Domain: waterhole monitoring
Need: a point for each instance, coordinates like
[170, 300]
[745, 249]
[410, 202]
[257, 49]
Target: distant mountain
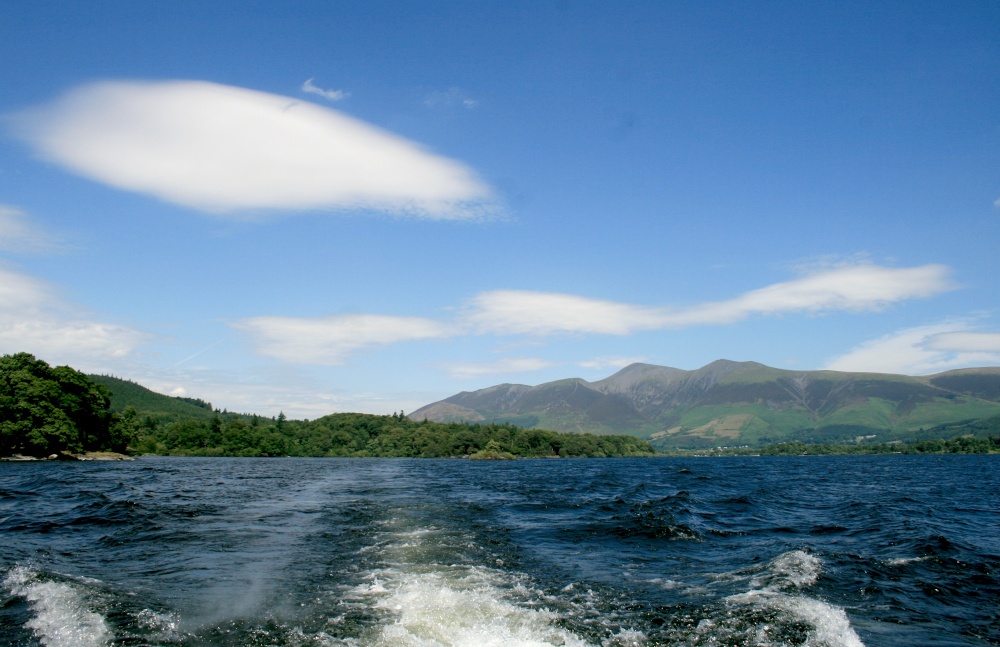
[736, 403]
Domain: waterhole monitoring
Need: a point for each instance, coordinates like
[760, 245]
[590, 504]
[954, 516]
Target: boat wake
[415, 597]
[62, 612]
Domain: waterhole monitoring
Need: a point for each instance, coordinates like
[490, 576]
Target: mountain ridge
[727, 402]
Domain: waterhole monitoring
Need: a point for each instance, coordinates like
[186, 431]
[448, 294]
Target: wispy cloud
[470, 370]
[218, 148]
[329, 340]
[333, 95]
[24, 295]
[450, 98]
[34, 319]
[615, 362]
[851, 288]
[19, 236]
[965, 342]
[922, 350]
[855, 288]
[522, 312]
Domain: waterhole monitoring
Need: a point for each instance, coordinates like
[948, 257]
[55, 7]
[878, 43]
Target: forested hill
[159, 407]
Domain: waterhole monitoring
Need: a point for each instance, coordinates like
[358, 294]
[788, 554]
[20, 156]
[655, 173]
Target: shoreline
[67, 456]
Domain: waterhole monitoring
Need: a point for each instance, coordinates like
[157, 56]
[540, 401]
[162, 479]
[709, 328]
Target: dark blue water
[883, 550]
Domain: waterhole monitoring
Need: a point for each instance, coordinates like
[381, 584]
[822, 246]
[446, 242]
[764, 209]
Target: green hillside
[738, 403]
[161, 408]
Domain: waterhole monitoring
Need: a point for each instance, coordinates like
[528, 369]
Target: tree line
[366, 435]
[958, 445]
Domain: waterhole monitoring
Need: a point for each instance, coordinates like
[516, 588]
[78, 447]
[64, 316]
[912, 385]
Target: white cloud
[22, 295]
[220, 149]
[965, 342]
[521, 312]
[33, 319]
[328, 340]
[333, 95]
[468, 370]
[922, 350]
[87, 340]
[850, 288]
[19, 235]
[854, 288]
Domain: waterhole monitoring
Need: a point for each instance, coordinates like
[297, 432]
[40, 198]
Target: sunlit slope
[736, 403]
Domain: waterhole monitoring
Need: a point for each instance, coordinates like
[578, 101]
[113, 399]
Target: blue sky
[331, 206]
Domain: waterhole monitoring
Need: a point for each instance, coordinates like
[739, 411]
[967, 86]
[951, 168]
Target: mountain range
[730, 403]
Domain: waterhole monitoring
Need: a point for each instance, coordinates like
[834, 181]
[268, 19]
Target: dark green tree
[45, 410]
[125, 429]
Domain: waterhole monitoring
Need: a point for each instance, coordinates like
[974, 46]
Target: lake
[820, 551]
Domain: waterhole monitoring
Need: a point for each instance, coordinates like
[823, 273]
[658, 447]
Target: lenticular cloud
[219, 148]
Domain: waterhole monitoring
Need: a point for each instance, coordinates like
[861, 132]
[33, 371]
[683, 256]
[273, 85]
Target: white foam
[428, 600]
[61, 618]
[165, 626]
[831, 627]
[437, 609]
[902, 561]
[794, 569]
[626, 638]
[829, 624]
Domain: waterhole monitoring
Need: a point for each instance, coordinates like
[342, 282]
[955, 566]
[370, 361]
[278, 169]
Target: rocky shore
[67, 456]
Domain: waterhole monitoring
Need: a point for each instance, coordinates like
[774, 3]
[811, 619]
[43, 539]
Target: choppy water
[883, 550]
